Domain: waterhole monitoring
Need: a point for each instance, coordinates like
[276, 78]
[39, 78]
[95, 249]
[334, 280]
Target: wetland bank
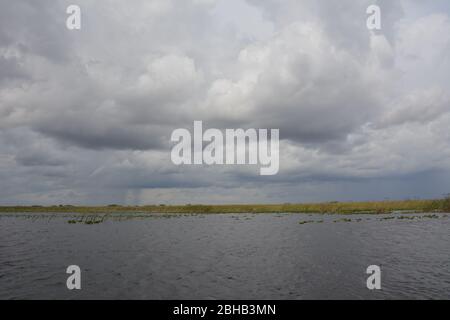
[189, 254]
[335, 207]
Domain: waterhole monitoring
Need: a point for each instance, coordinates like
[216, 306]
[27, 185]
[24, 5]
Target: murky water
[219, 256]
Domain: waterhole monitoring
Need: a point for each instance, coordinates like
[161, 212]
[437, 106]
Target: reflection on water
[220, 256]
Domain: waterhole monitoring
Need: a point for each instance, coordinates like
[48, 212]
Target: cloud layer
[86, 115]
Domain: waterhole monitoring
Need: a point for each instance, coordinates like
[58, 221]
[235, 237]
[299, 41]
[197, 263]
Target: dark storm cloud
[34, 27]
[100, 134]
[37, 159]
[11, 70]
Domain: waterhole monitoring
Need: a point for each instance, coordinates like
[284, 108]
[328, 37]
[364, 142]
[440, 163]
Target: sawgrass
[371, 207]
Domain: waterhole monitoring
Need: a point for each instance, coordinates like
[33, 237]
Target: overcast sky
[86, 115]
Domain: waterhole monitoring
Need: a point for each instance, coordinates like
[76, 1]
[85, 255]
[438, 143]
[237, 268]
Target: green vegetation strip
[380, 207]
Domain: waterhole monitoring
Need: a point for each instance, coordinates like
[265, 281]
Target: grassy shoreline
[372, 207]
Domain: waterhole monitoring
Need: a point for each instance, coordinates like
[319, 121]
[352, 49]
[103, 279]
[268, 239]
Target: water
[220, 256]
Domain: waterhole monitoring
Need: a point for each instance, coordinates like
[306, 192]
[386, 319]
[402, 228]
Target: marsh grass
[380, 207]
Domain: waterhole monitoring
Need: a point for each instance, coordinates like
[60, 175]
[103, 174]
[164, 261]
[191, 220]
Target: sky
[86, 115]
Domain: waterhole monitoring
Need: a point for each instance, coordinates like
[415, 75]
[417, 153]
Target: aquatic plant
[307, 221]
[406, 217]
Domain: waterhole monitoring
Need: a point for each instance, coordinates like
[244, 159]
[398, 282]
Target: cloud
[86, 116]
